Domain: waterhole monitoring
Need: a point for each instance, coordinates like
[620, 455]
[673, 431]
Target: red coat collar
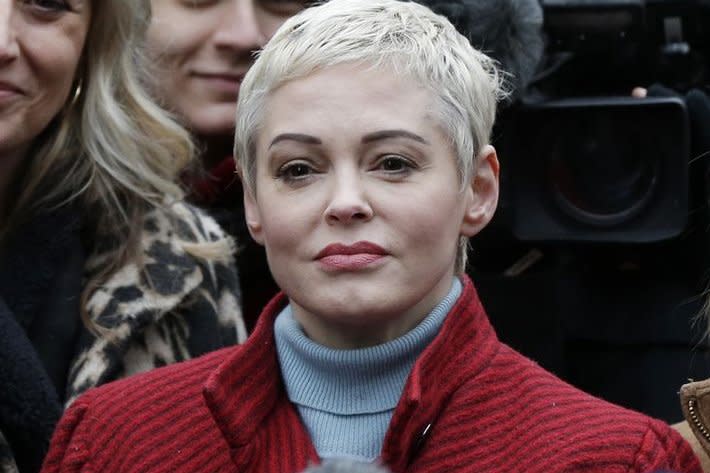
[247, 387]
[464, 347]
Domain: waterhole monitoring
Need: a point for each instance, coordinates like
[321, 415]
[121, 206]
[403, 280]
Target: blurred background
[597, 262]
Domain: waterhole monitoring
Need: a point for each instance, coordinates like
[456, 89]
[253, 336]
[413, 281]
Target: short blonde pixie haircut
[405, 37]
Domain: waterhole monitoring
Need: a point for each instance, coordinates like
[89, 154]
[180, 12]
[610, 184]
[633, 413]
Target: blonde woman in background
[104, 272]
[202, 50]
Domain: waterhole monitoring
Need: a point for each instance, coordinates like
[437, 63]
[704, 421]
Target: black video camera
[586, 162]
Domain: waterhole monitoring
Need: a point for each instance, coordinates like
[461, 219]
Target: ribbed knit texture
[346, 397]
[489, 409]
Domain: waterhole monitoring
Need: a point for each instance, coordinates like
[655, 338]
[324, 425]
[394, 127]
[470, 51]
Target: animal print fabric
[169, 307]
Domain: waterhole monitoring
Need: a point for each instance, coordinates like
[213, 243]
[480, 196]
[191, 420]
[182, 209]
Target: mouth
[222, 82]
[361, 247]
[340, 257]
[231, 76]
[9, 89]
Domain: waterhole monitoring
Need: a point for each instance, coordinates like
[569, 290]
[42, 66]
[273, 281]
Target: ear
[481, 193]
[251, 212]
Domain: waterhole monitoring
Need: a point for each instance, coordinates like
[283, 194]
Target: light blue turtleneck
[346, 397]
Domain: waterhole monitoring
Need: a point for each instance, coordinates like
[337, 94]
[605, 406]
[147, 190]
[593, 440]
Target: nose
[348, 203]
[9, 49]
[239, 29]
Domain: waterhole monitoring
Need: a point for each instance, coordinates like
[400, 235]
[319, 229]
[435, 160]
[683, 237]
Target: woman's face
[40, 46]
[359, 203]
[203, 49]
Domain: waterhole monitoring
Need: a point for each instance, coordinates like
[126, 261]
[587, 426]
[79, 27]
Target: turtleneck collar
[359, 381]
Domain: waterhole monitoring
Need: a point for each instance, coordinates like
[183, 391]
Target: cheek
[270, 24]
[165, 48]
[430, 220]
[56, 69]
[173, 36]
[283, 230]
[278, 221]
[288, 220]
[168, 53]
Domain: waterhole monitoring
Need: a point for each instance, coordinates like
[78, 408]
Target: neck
[214, 149]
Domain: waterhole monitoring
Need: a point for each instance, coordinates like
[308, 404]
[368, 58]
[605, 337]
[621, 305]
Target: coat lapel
[248, 402]
[465, 340]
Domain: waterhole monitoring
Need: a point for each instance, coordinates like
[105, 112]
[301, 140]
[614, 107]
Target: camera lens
[599, 176]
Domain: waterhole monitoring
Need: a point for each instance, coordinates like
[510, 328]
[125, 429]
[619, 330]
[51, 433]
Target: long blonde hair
[111, 148]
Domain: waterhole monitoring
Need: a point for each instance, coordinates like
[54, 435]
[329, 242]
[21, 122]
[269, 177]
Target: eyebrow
[300, 137]
[386, 134]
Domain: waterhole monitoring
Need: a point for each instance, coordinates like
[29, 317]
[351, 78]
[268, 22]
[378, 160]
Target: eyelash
[198, 3]
[298, 171]
[284, 171]
[284, 7]
[407, 165]
[49, 6]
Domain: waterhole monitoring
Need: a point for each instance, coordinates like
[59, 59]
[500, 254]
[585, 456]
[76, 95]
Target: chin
[352, 309]
[213, 121]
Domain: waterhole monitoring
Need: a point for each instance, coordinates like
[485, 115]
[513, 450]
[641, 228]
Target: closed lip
[361, 247]
[228, 76]
[10, 87]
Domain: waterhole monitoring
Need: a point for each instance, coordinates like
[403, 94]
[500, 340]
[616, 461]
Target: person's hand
[639, 92]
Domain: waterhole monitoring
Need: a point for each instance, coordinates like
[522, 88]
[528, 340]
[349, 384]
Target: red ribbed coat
[471, 404]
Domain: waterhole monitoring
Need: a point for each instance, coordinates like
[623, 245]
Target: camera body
[586, 162]
[600, 170]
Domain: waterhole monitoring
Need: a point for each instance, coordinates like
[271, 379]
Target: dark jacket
[169, 307]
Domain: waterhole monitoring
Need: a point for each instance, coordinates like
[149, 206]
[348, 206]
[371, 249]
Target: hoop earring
[77, 93]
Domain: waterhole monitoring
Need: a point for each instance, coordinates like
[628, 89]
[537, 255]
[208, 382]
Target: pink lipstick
[340, 257]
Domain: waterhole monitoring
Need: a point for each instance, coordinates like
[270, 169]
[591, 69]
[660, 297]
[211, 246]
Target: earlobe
[482, 193]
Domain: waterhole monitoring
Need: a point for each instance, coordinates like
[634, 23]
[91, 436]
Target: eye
[284, 7]
[198, 3]
[295, 171]
[395, 165]
[48, 6]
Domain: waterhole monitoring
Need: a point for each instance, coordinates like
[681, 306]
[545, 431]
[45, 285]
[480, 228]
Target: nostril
[335, 214]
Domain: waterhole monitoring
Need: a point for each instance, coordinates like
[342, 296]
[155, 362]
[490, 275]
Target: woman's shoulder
[178, 299]
[557, 417]
[157, 414]
[695, 403]
[178, 228]
[181, 250]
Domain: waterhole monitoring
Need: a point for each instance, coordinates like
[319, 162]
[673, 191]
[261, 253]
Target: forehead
[349, 98]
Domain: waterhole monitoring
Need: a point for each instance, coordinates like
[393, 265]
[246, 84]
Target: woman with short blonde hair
[362, 138]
